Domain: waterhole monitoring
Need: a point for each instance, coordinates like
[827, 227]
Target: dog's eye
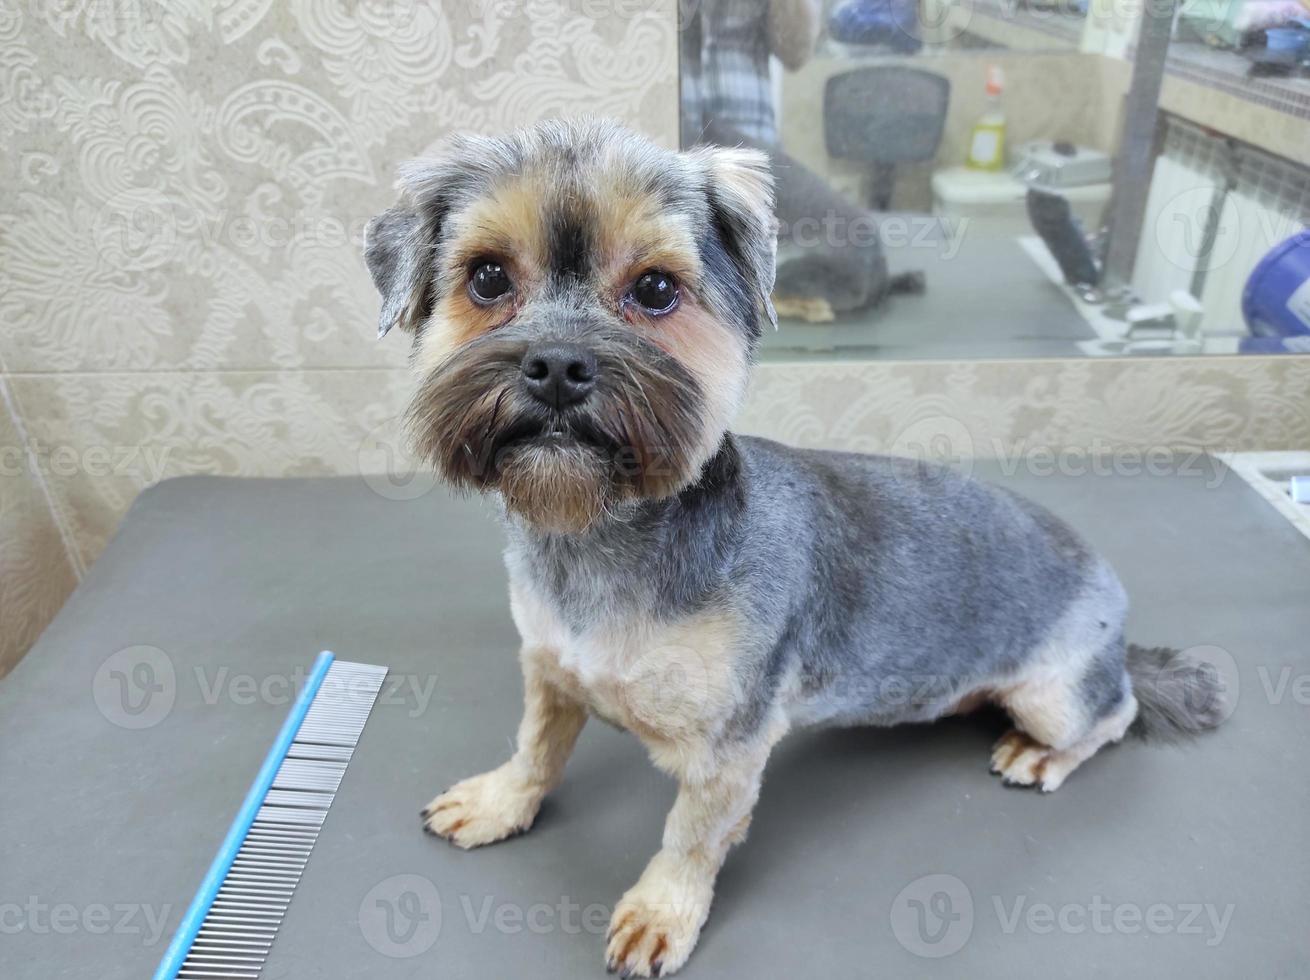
[655, 292]
[489, 282]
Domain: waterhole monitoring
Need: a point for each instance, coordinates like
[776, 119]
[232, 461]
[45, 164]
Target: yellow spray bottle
[987, 140]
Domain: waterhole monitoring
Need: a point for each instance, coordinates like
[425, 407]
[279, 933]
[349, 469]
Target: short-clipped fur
[703, 590]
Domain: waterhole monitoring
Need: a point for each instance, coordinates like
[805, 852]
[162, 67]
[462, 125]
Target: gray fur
[878, 590]
[812, 587]
[883, 589]
[1177, 695]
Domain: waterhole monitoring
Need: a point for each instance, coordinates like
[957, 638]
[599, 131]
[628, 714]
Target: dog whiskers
[495, 412]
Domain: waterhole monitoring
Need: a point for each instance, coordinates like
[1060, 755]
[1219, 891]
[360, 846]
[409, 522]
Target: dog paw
[656, 924]
[809, 309]
[483, 809]
[1021, 760]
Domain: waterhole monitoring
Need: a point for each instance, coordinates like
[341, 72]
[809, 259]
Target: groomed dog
[585, 309]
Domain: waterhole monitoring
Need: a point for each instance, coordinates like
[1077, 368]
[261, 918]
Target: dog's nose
[559, 374]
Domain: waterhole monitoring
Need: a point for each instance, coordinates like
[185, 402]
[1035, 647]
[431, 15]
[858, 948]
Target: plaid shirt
[725, 70]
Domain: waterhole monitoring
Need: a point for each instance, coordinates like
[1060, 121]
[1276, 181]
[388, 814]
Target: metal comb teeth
[238, 930]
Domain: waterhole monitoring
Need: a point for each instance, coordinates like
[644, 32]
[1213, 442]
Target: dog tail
[911, 283]
[1178, 695]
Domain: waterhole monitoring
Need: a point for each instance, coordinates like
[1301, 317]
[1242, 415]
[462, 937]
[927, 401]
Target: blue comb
[230, 925]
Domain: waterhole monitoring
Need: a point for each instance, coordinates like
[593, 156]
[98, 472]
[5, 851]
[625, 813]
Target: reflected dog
[585, 308]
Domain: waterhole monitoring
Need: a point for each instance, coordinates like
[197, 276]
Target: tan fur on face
[633, 235]
[456, 321]
[636, 237]
[713, 354]
[506, 226]
[508, 223]
[563, 489]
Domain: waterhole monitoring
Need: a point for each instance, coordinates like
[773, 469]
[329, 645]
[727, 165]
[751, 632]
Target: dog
[585, 309]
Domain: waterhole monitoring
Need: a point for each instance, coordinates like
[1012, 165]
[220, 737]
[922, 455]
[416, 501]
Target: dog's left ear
[739, 187]
[400, 244]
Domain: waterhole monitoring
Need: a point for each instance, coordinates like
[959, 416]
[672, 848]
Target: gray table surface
[874, 853]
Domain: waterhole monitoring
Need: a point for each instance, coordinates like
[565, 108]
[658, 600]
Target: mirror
[1020, 178]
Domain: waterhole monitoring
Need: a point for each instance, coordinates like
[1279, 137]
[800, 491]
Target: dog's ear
[400, 245]
[739, 188]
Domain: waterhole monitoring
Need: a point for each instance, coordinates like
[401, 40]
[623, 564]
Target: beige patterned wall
[181, 289]
[998, 409]
[182, 190]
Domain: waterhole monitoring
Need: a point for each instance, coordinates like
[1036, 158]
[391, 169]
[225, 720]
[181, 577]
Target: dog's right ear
[400, 245]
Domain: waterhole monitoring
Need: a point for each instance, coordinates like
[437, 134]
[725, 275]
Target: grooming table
[241, 582]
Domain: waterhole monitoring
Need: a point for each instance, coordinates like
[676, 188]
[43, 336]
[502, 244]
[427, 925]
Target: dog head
[585, 307]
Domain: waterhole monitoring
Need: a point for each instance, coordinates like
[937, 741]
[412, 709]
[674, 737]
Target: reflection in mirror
[1020, 178]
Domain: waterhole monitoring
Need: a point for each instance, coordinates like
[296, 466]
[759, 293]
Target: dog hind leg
[1062, 718]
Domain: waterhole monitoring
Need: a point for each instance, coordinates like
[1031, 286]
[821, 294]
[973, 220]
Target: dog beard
[639, 435]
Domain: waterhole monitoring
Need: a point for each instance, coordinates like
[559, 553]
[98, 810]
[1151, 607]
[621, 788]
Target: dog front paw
[656, 924]
[483, 809]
